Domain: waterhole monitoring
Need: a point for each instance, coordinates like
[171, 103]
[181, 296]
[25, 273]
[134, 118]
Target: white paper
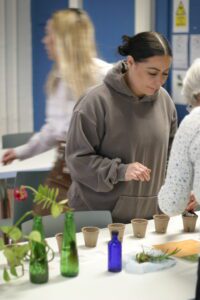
[180, 51]
[177, 84]
[180, 15]
[194, 47]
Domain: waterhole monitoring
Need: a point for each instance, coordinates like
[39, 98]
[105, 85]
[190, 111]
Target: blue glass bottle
[114, 253]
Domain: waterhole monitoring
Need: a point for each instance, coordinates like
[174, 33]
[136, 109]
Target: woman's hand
[192, 203]
[137, 171]
[9, 156]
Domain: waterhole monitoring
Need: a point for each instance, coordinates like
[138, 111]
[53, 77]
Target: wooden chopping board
[187, 247]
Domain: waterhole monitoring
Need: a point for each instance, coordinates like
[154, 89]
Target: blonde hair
[191, 83]
[75, 49]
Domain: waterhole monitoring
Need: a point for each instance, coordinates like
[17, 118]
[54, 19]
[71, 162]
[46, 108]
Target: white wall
[75, 3]
[16, 107]
[144, 15]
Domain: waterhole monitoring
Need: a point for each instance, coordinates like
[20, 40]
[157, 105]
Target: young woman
[121, 132]
[183, 173]
[70, 44]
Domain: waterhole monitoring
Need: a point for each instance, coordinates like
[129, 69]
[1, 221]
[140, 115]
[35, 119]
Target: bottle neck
[37, 225]
[69, 216]
[69, 231]
[114, 235]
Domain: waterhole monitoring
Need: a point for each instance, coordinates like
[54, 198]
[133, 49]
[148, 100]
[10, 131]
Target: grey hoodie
[111, 128]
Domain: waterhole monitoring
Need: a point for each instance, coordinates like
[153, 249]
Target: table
[95, 283]
[41, 162]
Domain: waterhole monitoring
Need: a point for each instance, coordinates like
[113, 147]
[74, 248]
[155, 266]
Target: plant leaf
[10, 253]
[35, 236]
[5, 229]
[15, 234]
[192, 258]
[22, 250]
[56, 210]
[13, 271]
[1, 244]
[147, 256]
[63, 201]
[12, 231]
[6, 276]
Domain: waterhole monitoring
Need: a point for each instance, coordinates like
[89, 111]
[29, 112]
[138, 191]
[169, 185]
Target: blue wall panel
[194, 17]
[181, 112]
[112, 19]
[163, 17]
[40, 12]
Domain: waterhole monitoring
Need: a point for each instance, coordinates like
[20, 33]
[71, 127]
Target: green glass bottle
[69, 266]
[38, 268]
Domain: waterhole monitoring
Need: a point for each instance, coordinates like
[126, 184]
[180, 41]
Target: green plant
[191, 258]
[46, 196]
[147, 256]
[16, 253]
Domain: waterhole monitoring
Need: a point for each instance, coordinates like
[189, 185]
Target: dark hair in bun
[144, 45]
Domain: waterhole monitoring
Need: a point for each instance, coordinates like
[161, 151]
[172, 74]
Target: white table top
[95, 283]
[41, 162]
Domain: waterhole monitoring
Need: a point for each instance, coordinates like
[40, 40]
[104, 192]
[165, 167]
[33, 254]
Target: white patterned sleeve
[195, 158]
[174, 194]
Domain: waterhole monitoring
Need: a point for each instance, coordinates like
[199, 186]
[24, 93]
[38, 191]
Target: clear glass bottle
[197, 293]
[38, 268]
[114, 253]
[69, 265]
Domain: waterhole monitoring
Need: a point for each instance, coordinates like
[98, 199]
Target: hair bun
[124, 49]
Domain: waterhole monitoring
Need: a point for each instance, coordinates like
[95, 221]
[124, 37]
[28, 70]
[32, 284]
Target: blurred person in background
[70, 43]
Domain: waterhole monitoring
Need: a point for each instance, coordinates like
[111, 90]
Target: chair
[100, 218]
[15, 139]
[31, 178]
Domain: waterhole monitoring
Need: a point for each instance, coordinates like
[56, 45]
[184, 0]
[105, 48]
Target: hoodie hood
[115, 79]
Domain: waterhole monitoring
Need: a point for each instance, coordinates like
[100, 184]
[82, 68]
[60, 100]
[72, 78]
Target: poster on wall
[180, 51]
[177, 84]
[194, 47]
[180, 15]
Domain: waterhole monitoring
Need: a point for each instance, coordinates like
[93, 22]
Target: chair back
[82, 218]
[31, 178]
[15, 139]
[51, 225]
[98, 218]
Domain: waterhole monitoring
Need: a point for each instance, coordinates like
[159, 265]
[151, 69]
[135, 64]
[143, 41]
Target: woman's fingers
[192, 203]
[137, 171]
[8, 156]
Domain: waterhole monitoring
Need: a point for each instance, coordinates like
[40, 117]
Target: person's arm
[174, 194]
[90, 168]
[39, 142]
[85, 165]
[194, 153]
[59, 110]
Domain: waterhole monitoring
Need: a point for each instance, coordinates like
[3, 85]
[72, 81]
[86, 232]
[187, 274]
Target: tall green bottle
[38, 268]
[69, 266]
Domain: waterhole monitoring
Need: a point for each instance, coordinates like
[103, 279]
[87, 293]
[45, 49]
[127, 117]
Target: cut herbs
[147, 256]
